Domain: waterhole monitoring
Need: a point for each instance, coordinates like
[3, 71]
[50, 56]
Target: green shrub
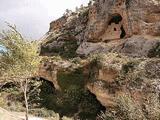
[155, 52]
[67, 79]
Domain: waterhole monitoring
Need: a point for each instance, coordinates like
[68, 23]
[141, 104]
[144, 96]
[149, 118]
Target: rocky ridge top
[104, 26]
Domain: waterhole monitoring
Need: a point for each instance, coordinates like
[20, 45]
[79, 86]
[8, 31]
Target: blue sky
[32, 17]
[1, 48]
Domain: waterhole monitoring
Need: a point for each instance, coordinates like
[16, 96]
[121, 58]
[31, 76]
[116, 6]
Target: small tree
[19, 61]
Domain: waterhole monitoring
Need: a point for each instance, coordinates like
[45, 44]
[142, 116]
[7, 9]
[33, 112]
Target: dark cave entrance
[84, 106]
[117, 18]
[123, 32]
[92, 109]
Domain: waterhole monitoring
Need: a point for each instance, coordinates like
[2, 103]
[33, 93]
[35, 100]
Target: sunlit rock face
[108, 20]
[103, 22]
[111, 76]
[117, 19]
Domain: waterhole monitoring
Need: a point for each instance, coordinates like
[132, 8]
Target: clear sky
[32, 17]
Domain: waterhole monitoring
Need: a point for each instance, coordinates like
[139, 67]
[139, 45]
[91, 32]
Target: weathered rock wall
[103, 22]
[127, 32]
[119, 19]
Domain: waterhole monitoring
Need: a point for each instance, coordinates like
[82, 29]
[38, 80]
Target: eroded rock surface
[103, 22]
[127, 32]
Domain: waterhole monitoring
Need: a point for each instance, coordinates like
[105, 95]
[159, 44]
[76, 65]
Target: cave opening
[116, 27]
[123, 33]
[76, 103]
[92, 109]
[115, 19]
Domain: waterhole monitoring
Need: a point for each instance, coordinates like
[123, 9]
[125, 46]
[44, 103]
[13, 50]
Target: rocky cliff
[114, 43]
[105, 26]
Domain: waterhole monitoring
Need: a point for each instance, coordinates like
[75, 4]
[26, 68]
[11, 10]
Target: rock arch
[115, 28]
[116, 18]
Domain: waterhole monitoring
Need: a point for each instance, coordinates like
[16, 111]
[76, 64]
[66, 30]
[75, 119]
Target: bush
[20, 59]
[129, 109]
[42, 112]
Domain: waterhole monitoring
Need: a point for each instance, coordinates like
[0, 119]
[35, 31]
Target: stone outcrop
[138, 46]
[48, 70]
[104, 22]
[135, 46]
[108, 77]
[117, 19]
[127, 32]
[119, 74]
[66, 29]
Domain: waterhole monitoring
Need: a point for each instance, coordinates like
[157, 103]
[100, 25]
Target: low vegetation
[130, 109]
[19, 60]
[140, 76]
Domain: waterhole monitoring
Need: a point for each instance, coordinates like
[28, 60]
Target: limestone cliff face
[118, 75]
[117, 19]
[125, 32]
[106, 23]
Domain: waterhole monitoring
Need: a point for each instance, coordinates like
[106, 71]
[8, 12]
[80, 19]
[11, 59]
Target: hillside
[116, 46]
[101, 62]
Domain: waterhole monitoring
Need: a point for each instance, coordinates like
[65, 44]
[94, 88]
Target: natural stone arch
[115, 18]
[115, 29]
